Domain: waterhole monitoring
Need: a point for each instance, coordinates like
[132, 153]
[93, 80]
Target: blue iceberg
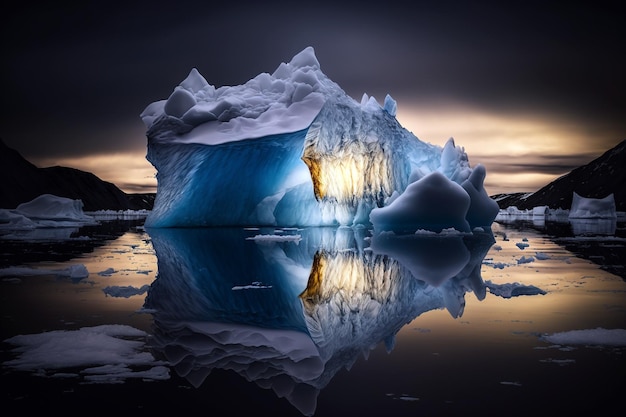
[292, 149]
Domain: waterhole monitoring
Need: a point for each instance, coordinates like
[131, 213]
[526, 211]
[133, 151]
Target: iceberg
[45, 211]
[291, 149]
[52, 207]
[593, 208]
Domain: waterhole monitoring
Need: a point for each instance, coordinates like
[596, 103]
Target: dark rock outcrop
[597, 179]
[21, 181]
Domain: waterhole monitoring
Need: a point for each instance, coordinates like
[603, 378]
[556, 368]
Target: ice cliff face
[285, 149]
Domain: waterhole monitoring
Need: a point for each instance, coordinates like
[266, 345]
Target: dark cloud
[553, 165]
[74, 77]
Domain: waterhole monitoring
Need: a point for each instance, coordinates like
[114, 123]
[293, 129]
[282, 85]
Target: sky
[531, 90]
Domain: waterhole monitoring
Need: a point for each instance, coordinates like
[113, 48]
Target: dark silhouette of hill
[21, 181]
[597, 179]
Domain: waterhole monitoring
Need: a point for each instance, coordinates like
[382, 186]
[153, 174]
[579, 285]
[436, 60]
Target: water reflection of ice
[42, 234]
[600, 240]
[75, 272]
[577, 226]
[288, 314]
[601, 227]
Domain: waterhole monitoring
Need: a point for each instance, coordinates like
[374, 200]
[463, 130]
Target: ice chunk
[589, 208]
[14, 221]
[98, 354]
[432, 203]
[229, 156]
[482, 210]
[454, 162]
[45, 212]
[51, 207]
[179, 102]
[125, 291]
[194, 82]
[47, 217]
[514, 289]
[593, 337]
[390, 105]
[305, 58]
[540, 211]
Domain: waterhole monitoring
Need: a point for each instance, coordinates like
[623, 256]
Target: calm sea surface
[313, 322]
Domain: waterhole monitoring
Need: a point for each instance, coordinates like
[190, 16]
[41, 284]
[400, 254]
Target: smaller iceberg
[52, 207]
[434, 203]
[431, 203]
[46, 211]
[593, 208]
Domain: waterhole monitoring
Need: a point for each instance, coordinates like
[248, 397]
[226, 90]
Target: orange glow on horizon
[493, 139]
[509, 146]
[131, 172]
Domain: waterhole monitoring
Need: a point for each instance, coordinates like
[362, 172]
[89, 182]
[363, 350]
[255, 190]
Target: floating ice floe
[102, 354]
[597, 336]
[513, 289]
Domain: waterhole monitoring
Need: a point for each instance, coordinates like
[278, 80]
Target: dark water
[320, 321]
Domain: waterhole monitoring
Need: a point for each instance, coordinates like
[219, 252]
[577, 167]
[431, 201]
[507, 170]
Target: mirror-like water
[319, 321]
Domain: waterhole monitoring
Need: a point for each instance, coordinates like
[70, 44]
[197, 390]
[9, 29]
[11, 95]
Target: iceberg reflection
[594, 227]
[288, 314]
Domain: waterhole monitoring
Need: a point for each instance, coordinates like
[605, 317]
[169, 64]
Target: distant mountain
[22, 181]
[597, 179]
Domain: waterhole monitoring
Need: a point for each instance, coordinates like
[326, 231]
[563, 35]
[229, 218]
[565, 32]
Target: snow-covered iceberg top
[285, 101]
[292, 149]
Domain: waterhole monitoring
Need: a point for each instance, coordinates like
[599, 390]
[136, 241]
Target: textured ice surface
[45, 211]
[593, 208]
[292, 149]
